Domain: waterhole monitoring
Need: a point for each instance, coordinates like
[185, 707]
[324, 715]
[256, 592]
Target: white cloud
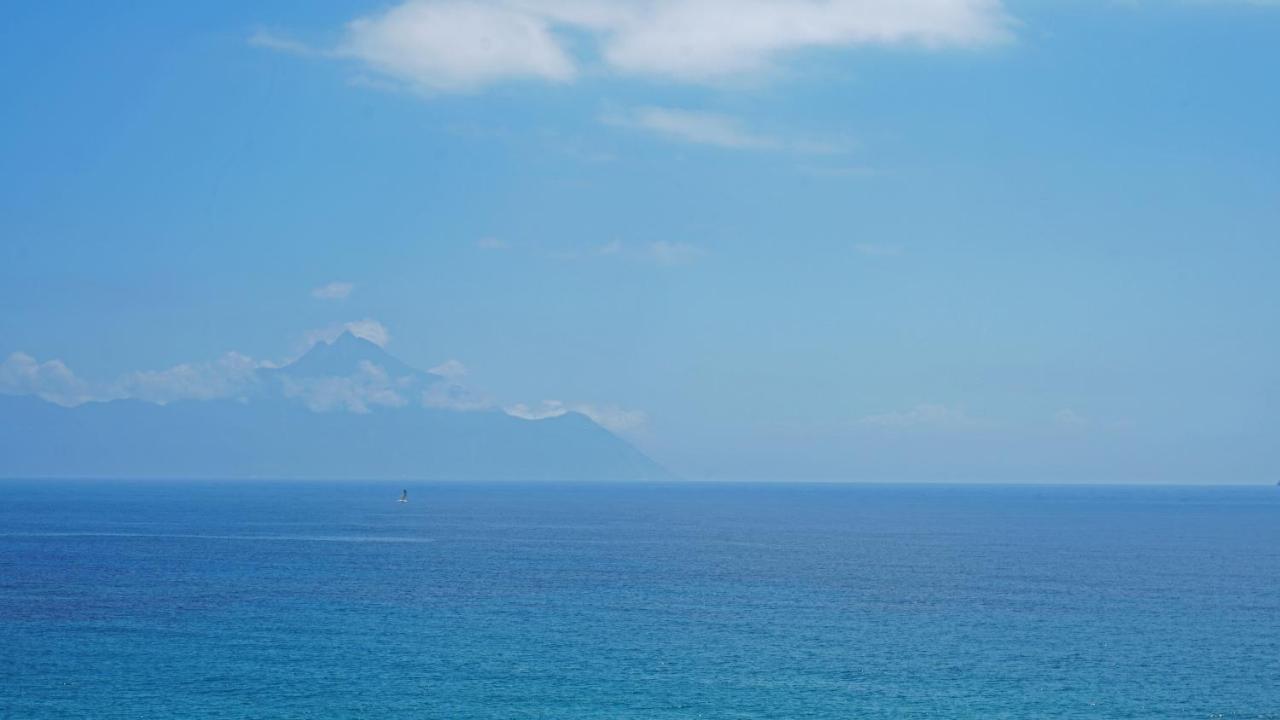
[704, 128]
[706, 40]
[925, 415]
[450, 370]
[369, 329]
[610, 417]
[264, 39]
[691, 126]
[52, 380]
[333, 291]
[459, 45]
[228, 376]
[547, 409]
[369, 386]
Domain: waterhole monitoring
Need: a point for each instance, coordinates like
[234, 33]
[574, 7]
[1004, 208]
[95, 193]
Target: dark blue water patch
[331, 600]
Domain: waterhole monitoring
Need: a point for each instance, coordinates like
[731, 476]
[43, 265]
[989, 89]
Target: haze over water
[330, 600]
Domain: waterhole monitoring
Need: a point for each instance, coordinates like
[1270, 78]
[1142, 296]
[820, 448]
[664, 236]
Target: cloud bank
[21, 374]
[231, 375]
[367, 386]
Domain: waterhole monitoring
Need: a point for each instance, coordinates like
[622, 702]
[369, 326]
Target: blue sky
[947, 240]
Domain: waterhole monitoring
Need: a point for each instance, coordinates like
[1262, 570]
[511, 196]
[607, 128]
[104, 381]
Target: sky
[873, 240]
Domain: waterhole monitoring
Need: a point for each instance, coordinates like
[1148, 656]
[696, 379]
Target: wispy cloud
[611, 417]
[462, 45]
[333, 291]
[705, 128]
[265, 39]
[690, 126]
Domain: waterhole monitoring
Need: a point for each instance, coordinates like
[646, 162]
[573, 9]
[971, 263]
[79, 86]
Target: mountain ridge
[375, 423]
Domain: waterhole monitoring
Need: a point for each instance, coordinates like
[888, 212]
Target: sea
[317, 600]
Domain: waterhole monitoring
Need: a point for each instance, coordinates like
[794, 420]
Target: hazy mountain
[346, 409]
[342, 357]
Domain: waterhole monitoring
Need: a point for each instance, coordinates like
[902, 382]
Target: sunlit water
[324, 600]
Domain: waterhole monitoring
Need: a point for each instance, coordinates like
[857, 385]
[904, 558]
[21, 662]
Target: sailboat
[404, 496]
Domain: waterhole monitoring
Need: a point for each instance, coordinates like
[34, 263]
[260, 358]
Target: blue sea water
[331, 600]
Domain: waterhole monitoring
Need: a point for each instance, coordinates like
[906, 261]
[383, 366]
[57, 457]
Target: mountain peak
[342, 356]
[349, 338]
